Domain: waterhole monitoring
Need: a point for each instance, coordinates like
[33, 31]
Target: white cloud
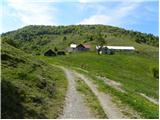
[33, 12]
[90, 1]
[113, 16]
[96, 1]
[96, 19]
[83, 1]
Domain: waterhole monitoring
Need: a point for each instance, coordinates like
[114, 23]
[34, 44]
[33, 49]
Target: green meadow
[133, 71]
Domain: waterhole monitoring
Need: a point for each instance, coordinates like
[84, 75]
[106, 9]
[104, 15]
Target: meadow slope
[30, 88]
[132, 70]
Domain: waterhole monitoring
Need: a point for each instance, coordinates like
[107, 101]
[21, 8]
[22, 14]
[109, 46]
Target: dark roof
[80, 45]
[49, 53]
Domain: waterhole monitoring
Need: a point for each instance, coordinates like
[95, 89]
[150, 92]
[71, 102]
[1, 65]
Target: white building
[73, 45]
[121, 47]
[110, 49]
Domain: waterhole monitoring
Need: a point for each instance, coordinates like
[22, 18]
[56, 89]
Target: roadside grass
[138, 103]
[90, 99]
[145, 108]
[30, 88]
[132, 70]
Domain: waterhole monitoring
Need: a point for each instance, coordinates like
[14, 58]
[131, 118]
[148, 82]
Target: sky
[138, 15]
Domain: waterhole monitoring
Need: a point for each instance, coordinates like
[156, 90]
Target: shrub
[155, 72]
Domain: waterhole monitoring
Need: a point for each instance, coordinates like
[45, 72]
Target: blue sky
[139, 15]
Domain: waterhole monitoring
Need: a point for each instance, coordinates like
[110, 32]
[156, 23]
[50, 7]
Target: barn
[111, 49]
[79, 48]
[121, 48]
[49, 53]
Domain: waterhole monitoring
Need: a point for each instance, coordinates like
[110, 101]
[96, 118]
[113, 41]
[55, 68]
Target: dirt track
[74, 104]
[76, 108]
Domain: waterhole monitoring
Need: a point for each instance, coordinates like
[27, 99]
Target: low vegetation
[155, 71]
[144, 107]
[30, 88]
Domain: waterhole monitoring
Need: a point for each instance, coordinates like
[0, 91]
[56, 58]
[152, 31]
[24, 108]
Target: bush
[155, 72]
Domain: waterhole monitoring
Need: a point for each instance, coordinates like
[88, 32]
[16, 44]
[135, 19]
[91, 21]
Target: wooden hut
[49, 53]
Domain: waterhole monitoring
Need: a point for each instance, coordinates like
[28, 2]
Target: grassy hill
[37, 39]
[30, 88]
[33, 85]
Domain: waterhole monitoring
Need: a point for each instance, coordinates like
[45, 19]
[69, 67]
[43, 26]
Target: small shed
[49, 53]
[80, 47]
[104, 50]
[61, 53]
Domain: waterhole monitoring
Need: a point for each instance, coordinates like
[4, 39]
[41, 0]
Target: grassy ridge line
[90, 99]
[30, 87]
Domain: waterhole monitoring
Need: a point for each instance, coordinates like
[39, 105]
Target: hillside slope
[37, 39]
[30, 88]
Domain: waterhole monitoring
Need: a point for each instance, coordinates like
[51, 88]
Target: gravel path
[74, 104]
[111, 110]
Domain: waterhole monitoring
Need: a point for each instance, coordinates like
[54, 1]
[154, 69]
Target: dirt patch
[112, 83]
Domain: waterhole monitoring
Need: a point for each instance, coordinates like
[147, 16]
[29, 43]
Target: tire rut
[74, 104]
[111, 110]
[75, 107]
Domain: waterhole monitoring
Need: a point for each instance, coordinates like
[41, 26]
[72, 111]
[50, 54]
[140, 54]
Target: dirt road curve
[76, 108]
[74, 104]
